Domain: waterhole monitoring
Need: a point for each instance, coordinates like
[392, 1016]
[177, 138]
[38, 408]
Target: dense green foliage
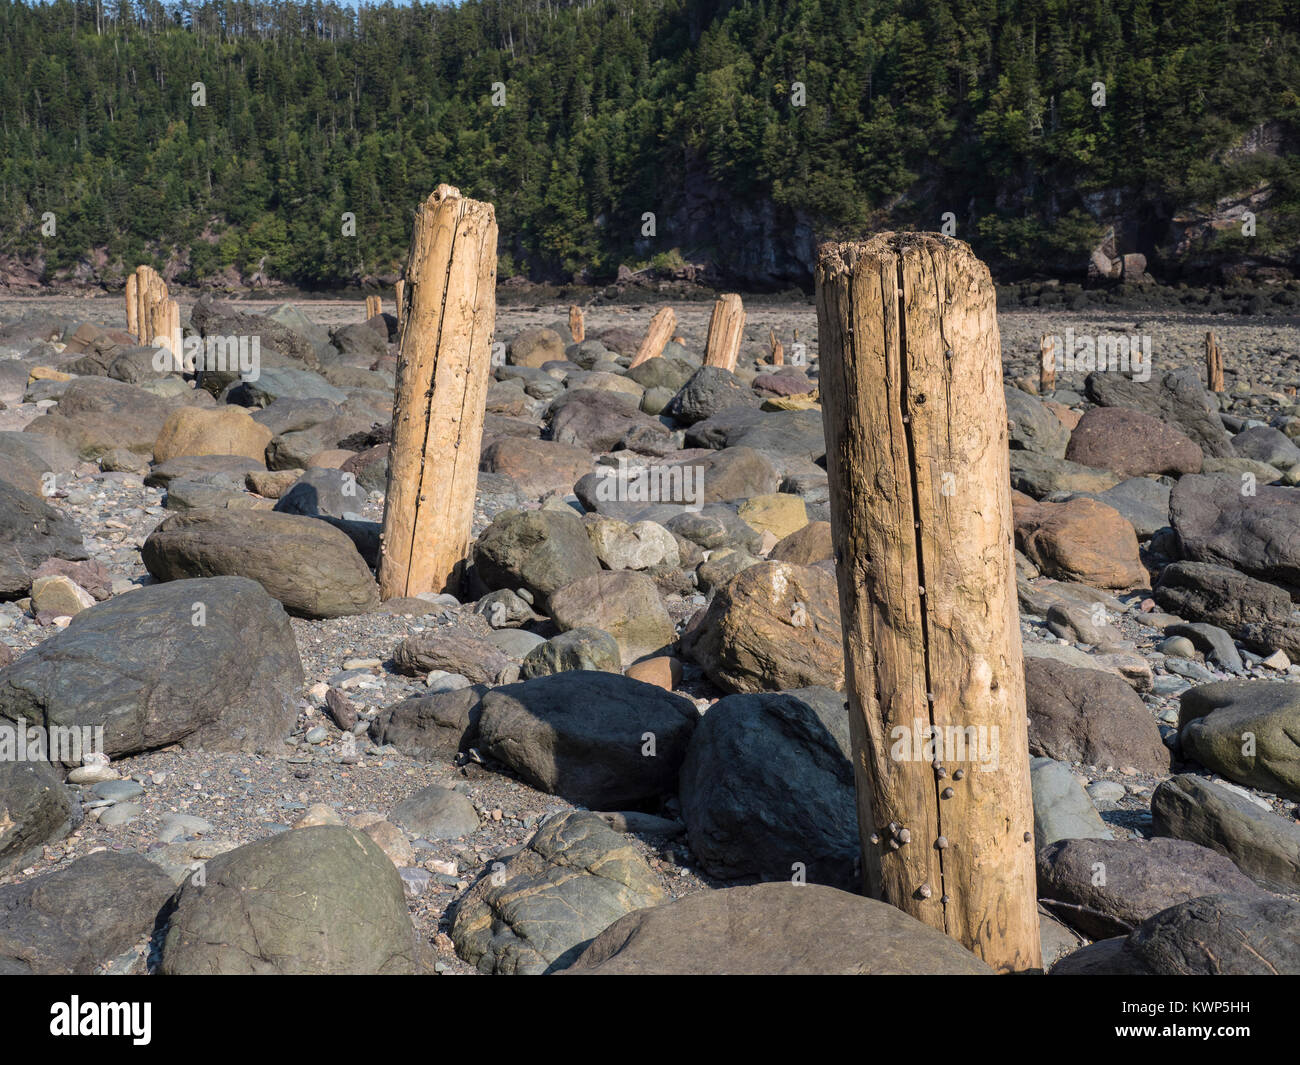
[614, 108]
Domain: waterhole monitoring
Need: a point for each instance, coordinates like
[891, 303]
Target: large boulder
[537, 466]
[1089, 716]
[452, 651]
[623, 603]
[1062, 809]
[1247, 731]
[1257, 613]
[311, 567]
[323, 493]
[212, 318]
[208, 663]
[535, 346]
[1177, 397]
[795, 434]
[1131, 443]
[778, 928]
[1081, 540]
[536, 911]
[36, 807]
[1038, 475]
[767, 788]
[311, 901]
[598, 420]
[431, 727]
[539, 550]
[27, 460]
[1254, 533]
[32, 531]
[599, 739]
[216, 431]
[710, 390]
[773, 627]
[1031, 425]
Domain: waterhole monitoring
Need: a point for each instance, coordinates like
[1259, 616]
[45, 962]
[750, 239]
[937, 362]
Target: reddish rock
[1132, 444]
[1081, 540]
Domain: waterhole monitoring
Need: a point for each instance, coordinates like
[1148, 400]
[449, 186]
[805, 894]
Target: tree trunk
[577, 327]
[443, 365]
[656, 336]
[916, 449]
[726, 327]
[1213, 364]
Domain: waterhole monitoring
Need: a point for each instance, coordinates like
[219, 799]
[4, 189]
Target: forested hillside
[688, 109]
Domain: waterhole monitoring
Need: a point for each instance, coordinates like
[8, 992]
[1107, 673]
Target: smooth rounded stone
[515, 643]
[32, 531]
[1039, 475]
[316, 735]
[276, 382]
[1142, 501]
[1082, 624]
[767, 788]
[1110, 886]
[312, 568]
[1266, 444]
[505, 608]
[775, 928]
[436, 813]
[1090, 717]
[117, 790]
[80, 916]
[1177, 647]
[714, 527]
[1248, 731]
[537, 466]
[393, 842]
[773, 627]
[225, 430]
[709, 391]
[540, 551]
[535, 911]
[1261, 471]
[450, 651]
[655, 400]
[431, 727]
[323, 492]
[322, 900]
[141, 668]
[95, 415]
[318, 813]
[1212, 640]
[177, 826]
[1131, 444]
[598, 739]
[92, 774]
[793, 434]
[122, 813]
[439, 680]
[534, 346]
[597, 420]
[26, 459]
[805, 546]
[39, 809]
[1178, 398]
[1031, 426]
[1080, 540]
[1233, 822]
[59, 596]
[1253, 611]
[581, 648]
[663, 671]
[1105, 791]
[1062, 809]
[623, 603]
[665, 372]
[227, 471]
[637, 546]
[1256, 533]
[779, 513]
[415, 881]
[1193, 671]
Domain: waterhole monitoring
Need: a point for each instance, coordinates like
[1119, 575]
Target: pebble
[122, 813]
[117, 790]
[174, 826]
[319, 734]
[92, 774]
[1178, 646]
[1277, 660]
[1106, 791]
[363, 663]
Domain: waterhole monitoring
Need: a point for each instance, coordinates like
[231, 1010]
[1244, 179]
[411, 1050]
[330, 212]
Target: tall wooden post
[444, 361]
[577, 327]
[374, 306]
[132, 307]
[726, 327]
[400, 293]
[656, 336]
[1046, 365]
[1213, 364]
[916, 450]
[778, 352]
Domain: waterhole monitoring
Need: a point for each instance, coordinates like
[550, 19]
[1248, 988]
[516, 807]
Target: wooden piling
[726, 328]
[1213, 364]
[1046, 365]
[656, 336]
[577, 326]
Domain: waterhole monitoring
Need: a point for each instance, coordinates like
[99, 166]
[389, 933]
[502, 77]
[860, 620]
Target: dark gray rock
[1255, 612]
[32, 531]
[431, 727]
[1032, 426]
[1256, 534]
[1248, 731]
[709, 391]
[540, 550]
[436, 813]
[580, 648]
[1177, 397]
[39, 807]
[321, 493]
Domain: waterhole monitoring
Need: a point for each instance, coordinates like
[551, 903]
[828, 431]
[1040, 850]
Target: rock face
[1178, 398]
[323, 900]
[225, 430]
[1085, 715]
[540, 550]
[710, 390]
[312, 568]
[436, 813]
[536, 911]
[767, 787]
[32, 531]
[1248, 731]
[1263, 845]
[1081, 540]
[777, 928]
[144, 669]
[598, 739]
[81, 915]
[624, 604]
[1253, 533]
[36, 808]
[1120, 883]
[1131, 443]
[772, 627]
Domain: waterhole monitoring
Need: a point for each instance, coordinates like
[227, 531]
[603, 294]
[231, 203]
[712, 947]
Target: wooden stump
[577, 327]
[778, 352]
[1213, 364]
[444, 363]
[656, 336]
[726, 327]
[132, 306]
[374, 306]
[1046, 365]
[916, 449]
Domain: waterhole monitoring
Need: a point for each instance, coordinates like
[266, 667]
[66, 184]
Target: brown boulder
[1132, 444]
[1080, 540]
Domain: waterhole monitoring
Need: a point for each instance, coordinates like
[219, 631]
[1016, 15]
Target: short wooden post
[1213, 364]
[778, 352]
[726, 327]
[374, 306]
[132, 307]
[444, 361]
[1046, 365]
[656, 336]
[916, 449]
[577, 327]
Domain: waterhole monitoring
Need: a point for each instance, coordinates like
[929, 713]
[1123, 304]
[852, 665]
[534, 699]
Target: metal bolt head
[1029, 837]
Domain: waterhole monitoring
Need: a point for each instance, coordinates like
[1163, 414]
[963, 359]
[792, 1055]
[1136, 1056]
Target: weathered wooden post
[132, 307]
[656, 336]
[726, 326]
[1213, 364]
[577, 327]
[778, 352]
[444, 361]
[374, 306]
[916, 449]
[400, 293]
[1046, 365]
